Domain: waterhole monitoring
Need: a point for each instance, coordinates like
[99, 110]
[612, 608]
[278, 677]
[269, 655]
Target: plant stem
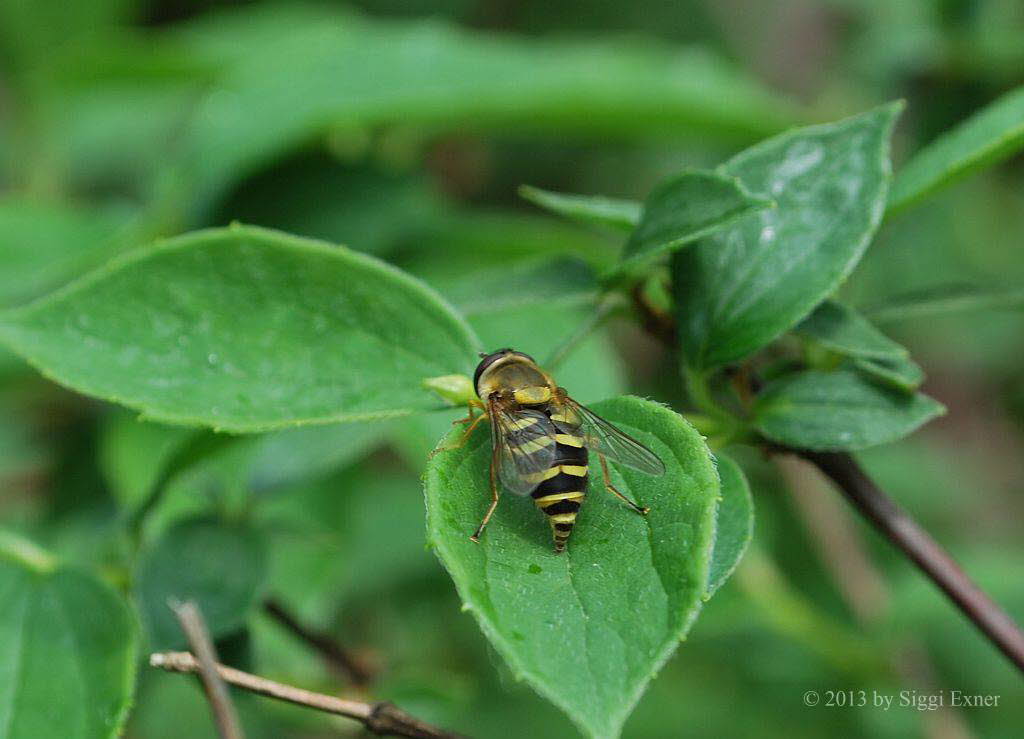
[381, 718]
[602, 310]
[923, 550]
[224, 714]
[335, 654]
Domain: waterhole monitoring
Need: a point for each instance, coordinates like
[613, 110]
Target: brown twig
[381, 718]
[335, 654]
[923, 550]
[205, 661]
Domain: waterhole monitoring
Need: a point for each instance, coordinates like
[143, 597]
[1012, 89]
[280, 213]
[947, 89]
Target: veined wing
[525, 440]
[616, 445]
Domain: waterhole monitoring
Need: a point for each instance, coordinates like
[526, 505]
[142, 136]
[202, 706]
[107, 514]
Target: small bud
[456, 389]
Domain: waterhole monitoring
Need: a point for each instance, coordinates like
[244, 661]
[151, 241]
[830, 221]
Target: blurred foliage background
[404, 129]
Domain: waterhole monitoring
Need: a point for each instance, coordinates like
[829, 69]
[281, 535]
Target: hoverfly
[541, 441]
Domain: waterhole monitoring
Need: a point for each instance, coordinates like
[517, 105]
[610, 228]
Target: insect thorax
[521, 382]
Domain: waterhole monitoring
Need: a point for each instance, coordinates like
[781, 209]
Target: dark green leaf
[746, 285]
[244, 329]
[589, 628]
[595, 209]
[134, 453]
[840, 328]
[838, 411]
[687, 207]
[947, 299]
[901, 373]
[68, 649]
[989, 136]
[218, 565]
[734, 524]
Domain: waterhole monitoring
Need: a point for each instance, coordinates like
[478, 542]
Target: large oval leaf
[589, 628]
[245, 329]
[68, 649]
[744, 286]
[838, 411]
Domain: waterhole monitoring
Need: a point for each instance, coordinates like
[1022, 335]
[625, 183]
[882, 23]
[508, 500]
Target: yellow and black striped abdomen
[564, 486]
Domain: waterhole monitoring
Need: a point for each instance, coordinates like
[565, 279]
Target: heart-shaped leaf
[245, 329]
[842, 329]
[68, 649]
[589, 628]
[734, 524]
[746, 285]
[838, 411]
[218, 565]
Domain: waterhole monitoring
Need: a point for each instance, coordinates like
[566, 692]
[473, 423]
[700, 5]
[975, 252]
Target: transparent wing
[616, 445]
[525, 440]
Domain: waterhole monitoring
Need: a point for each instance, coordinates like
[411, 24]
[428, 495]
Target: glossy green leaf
[245, 329]
[902, 373]
[746, 285]
[594, 209]
[340, 68]
[44, 245]
[838, 411]
[734, 524]
[987, 137]
[685, 208]
[840, 328]
[220, 566]
[587, 629]
[945, 300]
[68, 649]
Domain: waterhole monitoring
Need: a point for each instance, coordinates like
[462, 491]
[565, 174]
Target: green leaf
[133, 455]
[746, 285]
[685, 208]
[220, 566]
[734, 524]
[44, 245]
[244, 329]
[352, 72]
[938, 301]
[593, 209]
[840, 328]
[68, 649]
[587, 629]
[989, 136]
[838, 411]
[285, 457]
[559, 281]
[901, 373]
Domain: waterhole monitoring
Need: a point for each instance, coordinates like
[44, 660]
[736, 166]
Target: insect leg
[494, 496]
[643, 511]
[462, 439]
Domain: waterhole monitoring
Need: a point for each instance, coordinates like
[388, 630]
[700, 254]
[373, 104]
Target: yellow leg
[643, 511]
[465, 434]
[494, 496]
